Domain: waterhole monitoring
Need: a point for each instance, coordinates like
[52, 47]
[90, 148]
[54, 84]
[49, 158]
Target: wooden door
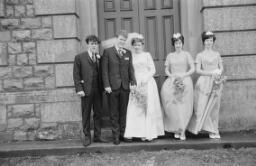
[157, 20]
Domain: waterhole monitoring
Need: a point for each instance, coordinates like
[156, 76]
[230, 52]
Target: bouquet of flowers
[179, 88]
[139, 94]
[218, 80]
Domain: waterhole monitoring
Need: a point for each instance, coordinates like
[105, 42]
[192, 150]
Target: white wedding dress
[144, 114]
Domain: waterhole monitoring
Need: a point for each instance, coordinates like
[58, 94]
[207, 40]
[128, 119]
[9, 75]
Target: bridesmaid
[177, 90]
[207, 89]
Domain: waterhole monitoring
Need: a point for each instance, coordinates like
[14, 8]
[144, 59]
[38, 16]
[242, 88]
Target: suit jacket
[83, 73]
[117, 71]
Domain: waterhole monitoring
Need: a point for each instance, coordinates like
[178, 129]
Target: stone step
[72, 147]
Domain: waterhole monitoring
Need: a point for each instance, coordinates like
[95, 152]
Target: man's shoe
[127, 140]
[116, 141]
[100, 140]
[86, 142]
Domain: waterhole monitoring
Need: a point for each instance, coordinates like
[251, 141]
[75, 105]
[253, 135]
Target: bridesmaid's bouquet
[179, 88]
[218, 81]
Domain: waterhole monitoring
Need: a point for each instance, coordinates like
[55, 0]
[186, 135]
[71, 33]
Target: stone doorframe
[191, 22]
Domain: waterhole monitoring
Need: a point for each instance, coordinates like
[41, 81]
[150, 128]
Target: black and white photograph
[127, 82]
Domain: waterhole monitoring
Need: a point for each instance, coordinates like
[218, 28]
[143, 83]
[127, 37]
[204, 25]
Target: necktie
[93, 57]
[120, 52]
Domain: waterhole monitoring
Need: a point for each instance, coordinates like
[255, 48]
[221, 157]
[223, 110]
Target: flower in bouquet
[179, 88]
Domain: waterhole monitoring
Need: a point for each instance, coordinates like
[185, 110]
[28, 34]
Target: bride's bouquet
[139, 94]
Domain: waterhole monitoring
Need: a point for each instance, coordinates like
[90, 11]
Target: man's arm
[77, 74]
[131, 72]
[104, 67]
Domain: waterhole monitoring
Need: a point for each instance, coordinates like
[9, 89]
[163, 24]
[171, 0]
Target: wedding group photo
[127, 82]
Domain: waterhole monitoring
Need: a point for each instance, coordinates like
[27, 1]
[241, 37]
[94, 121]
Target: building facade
[39, 39]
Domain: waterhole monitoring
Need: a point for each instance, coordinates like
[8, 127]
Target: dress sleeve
[151, 65]
[219, 58]
[198, 59]
[167, 61]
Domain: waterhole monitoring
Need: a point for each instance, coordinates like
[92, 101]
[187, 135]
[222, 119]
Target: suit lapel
[88, 57]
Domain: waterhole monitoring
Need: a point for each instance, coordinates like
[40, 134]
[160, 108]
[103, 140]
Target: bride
[144, 115]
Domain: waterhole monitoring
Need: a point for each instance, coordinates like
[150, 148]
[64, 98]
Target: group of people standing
[125, 72]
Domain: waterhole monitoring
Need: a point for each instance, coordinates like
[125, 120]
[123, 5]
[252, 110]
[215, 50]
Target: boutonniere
[82, 81]
[122, 51]
[98, 56]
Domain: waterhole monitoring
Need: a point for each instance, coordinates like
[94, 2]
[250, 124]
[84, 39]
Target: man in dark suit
[118, 77]
[87, 80]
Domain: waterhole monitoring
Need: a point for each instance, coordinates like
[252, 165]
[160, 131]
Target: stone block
[14, 123]
[1, 86]
[29, 47]
[14, 48]
[215, 3]
[13, 84]
[31, 124]
[64, 75]
[19, 11]
[20, 135]
[9, 11]
[34, 83]
[3, 54]
[50, 82]
[31, 135]
[12, 2]
[21, 110]
[230, 18]
[48, 7]
[236, 43]
[42, 34]
[5, 36]
[22, 71]
[3, 120]
[2, 9]
[57, 50]
[21, 35]
[5, 72]
[238, 105]
[30, 23]
[22, 59]
[70, 130]
[37, 110]
[43, 70]
[26, 2]
[47, 22]
[30, 10]
[12, 60]
[241, 67]
[32, 58]
[9, 23]
[60, 112]
[65, 26]
[40, 96]
[6, 136]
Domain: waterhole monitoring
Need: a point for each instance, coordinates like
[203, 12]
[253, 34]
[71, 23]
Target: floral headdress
[176, 35]
[209, 33]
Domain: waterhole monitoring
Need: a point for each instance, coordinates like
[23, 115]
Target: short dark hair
[207, 35]
[137, 40]
[92, 38]
[123, 33]
[181, 38]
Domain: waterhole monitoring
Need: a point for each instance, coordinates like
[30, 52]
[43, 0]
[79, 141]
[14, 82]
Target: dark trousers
[88, 102]
[118, 107]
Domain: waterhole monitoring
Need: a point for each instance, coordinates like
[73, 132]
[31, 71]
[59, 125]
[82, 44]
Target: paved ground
[182, 157]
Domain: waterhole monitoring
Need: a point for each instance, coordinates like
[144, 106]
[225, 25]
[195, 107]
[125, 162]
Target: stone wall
[38, 42]
[234, 22]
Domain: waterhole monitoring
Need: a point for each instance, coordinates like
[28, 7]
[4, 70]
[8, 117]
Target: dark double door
[157, 20]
